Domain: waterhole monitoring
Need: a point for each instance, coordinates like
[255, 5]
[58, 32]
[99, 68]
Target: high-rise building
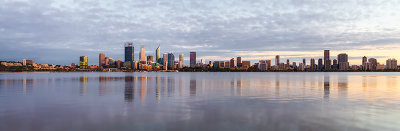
[327, 61]
[277, 60]
[129, 52]
[158, 58]
[149, 59]
[364, 63]
[320, 64]
[374, 63]
[83, 62]
[239, 62]
[181, 60]
[268, 66]
[391, 64]
[312, 64]
[102, 58]
[192, 59]
[343, 62]
[232, 63]
[165, 59]
[304, 62]
[246, 64]
[142, 56]
[171, 59]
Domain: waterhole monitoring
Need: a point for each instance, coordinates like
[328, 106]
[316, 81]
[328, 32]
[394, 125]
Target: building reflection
[326, 87]
[343, 86]
[171, 86]
[129, 92]
[193, 87]
[83, 85]
[143, 89]
[158, 88]
[239, 86]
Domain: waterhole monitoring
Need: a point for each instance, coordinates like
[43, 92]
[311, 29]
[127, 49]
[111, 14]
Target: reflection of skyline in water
[237, 99]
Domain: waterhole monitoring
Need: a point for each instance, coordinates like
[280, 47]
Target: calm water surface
[199, 101]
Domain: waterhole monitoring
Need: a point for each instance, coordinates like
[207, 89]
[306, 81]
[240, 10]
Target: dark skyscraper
[320, 64]
[232, 63]
[192, 59]
[129, 52]
[343, 61]
[277, 60]
[239, 62]
[312, 64]
[171, 60]
[327, 61]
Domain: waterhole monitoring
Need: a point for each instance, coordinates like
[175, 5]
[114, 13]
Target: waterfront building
[304, 62]
[26, 62]
[364, 63]
[343, 61]
[227, 64]
[277, 62]
[129, 51]
[391, 64]
[83, 62]
[192, 59]
[246, 64]
[142, 56]
[181, 60]
[268, 64]
[171, 59]
[239, 62]
[327, 61]
[262, 66]
[373, 62]
[312, 64]
[320, 65]
[232, 63]
[149, 59]
[158, 58]
[102, 58]
[165, 59]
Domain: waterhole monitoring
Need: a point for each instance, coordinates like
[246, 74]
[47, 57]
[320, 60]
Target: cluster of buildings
[167, 61]
[31, 63]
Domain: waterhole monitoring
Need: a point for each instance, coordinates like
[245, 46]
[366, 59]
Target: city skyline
[46, 31]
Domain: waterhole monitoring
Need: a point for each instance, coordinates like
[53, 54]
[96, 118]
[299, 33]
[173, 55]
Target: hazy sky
[59, 31]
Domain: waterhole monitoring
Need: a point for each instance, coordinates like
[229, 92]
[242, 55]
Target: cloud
[216, 29]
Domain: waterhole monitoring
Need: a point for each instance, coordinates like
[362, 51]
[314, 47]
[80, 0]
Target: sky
[59, 31]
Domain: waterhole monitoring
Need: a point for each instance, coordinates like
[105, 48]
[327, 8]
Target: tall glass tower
[129, 52]
[158, 60]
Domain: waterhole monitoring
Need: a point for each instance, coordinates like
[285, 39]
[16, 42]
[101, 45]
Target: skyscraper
[391, 64]
[192, 59]
[277, 60]
[239, 62]
[149, 59]
[171, 59]
[320, 64]
[364, 63]
[327, 61]
[374, 63]
[165, 59]
[232, 63]
[304, 62]
[312, 64]
[158, 58]
[142, 56]
[343, 62]
[83, 62]
[129, 52]
[181, 60]
[102, 57]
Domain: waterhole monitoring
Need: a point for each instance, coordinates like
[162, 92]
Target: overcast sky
[59, 31]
